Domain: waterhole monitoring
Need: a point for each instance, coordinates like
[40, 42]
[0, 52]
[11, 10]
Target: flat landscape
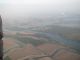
[40, 45]
[40, 29]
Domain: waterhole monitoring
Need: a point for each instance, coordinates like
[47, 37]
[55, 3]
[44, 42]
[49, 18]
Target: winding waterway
[60, 39]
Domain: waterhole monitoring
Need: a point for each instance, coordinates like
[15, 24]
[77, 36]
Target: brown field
[46, 51]
[28, 50]
[73, 36]
[49, 48]
[9, 43]
[43, 52]
[45, 58]
[27, 33]
[9, 33]
[66, 55]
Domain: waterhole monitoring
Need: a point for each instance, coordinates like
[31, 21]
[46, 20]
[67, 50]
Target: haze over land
[64, 12]
[41, 29]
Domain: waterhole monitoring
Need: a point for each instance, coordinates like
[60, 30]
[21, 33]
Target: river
[75, 44]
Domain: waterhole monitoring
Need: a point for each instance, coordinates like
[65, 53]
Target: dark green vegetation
[32, 41]
[26, 39]
[7, 58]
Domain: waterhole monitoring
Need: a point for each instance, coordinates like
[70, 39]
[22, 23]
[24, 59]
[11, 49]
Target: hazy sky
[9, 8]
